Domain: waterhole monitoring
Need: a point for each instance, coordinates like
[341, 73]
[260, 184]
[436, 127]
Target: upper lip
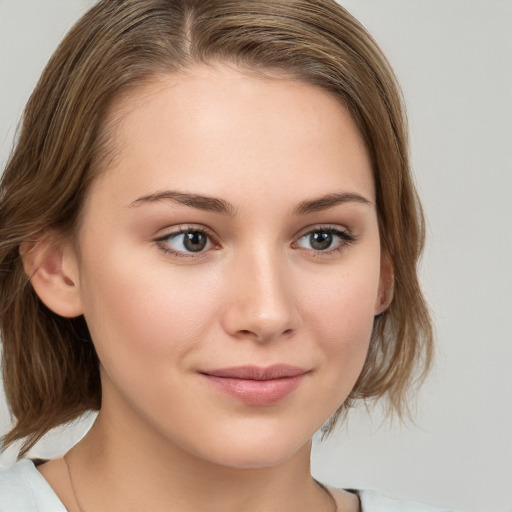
[277, 371]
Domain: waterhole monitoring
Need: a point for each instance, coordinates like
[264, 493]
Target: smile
[257, 386]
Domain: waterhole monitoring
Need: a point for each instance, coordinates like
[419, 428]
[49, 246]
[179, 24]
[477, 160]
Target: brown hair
[50, 367]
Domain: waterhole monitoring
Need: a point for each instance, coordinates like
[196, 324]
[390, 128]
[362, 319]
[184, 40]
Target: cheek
[341, 313]
[348, 318]
[145, 313]
[343, 309]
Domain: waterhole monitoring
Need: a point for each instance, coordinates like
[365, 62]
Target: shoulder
[23, 489]
[372, 501]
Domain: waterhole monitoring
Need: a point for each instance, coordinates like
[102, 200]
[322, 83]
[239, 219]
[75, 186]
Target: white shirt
[23, 489]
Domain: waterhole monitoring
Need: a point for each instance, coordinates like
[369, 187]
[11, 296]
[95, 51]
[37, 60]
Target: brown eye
[194, 241]
[186, 242]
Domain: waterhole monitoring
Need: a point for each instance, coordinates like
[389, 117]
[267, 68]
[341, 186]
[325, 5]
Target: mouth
[257, 386]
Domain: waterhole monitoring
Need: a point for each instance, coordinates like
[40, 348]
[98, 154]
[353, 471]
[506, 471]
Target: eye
[186, 241]
[325, 239]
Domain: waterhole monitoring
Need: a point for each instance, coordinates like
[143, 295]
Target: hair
[50, 367]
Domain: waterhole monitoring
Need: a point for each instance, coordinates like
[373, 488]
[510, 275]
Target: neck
[120, 466]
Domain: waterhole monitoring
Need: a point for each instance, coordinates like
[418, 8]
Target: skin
[260, 293]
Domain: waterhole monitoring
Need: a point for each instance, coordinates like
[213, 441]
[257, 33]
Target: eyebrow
[210, 204]
[213, 204]
[328, 201]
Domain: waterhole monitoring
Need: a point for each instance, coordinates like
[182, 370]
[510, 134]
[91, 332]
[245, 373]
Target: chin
[254, 448]
[267, 457]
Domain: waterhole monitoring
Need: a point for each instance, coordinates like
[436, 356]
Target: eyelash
[346, 239]
[163, 246]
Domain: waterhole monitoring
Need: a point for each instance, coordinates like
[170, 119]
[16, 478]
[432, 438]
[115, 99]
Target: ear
[51, 267]
[386, 283]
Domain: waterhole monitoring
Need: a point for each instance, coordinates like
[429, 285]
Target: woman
[209, 233]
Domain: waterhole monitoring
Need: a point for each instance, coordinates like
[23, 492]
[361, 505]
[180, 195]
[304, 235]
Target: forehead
[210, 126]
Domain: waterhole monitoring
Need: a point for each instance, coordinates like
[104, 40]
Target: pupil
[321, 240]
[194, 241]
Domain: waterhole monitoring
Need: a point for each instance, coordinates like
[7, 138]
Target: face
[229, 263]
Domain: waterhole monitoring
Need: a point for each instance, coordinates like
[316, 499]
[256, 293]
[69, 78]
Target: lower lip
[257, 392]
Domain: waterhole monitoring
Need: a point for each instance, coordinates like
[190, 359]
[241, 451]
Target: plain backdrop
[453, 58]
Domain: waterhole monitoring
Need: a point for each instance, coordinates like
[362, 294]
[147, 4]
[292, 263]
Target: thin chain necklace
[81, 509]
[72, 485]
[329, 493]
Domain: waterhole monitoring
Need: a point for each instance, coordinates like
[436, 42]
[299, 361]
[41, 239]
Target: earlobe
[47, 263]
[386, 284]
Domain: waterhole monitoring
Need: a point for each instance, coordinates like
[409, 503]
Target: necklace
[72, 484]
[80, 508]
[329, 493]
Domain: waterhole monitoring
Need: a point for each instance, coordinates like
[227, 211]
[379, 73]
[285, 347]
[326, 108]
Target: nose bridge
[261, 304]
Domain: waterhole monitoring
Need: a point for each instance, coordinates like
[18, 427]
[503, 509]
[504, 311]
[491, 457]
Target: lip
[257, 386]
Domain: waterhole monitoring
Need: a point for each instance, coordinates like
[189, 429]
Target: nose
[260, 303]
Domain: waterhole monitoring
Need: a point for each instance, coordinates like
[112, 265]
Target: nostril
[256, 334]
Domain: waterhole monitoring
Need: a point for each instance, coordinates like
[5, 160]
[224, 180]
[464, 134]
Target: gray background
[453, 58]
